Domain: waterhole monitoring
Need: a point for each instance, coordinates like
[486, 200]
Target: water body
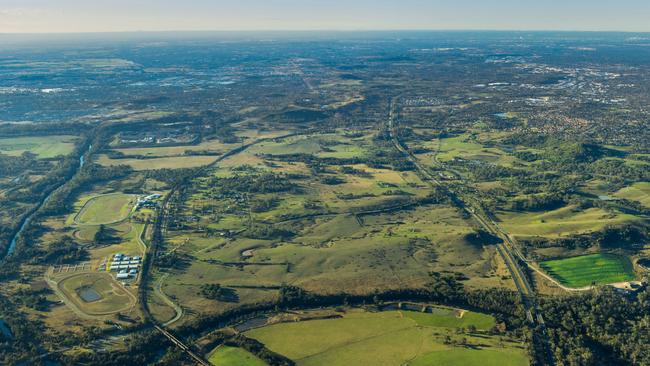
[12, 243]
[88, 294]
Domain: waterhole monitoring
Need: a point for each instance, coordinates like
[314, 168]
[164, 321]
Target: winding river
[28, 218]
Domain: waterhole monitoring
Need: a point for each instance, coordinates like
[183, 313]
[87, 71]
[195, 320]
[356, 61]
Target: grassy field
[639, 192]
[105, 209]
[164, 151]
[333, 250]
[175, 162]
[129, 245]
[383, 338]
[463, 357]
[338, 254]
[233, 356]
[43, 146]
[112, 297]
[451, 318]
[564, 221]
[587, 269]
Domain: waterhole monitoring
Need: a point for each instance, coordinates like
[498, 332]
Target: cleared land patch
[96, 293]
[589, 269]
[175, 162]
[43, 146]
[233, 356]
[381, 338]
[639, 192]
[463, 357]
[105, 209]
[564, 221]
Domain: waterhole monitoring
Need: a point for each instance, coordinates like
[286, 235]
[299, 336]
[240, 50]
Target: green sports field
[390, 338]
[233, 356]
[587, 269]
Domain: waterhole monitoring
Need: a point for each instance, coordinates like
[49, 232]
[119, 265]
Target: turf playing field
[587, 269]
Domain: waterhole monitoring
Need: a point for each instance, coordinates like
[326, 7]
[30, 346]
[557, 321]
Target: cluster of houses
[125, 266]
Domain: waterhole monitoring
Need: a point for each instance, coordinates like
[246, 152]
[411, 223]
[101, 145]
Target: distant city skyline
[65, 16]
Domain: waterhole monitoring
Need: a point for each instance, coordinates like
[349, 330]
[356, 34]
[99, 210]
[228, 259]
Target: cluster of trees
[63, 250]
[599, 328]
[565, 153]
[106, 235]
[13, 165]
[62, 201]
[539, 202]
[619, 170]
[142, 348]
[34, 299]
[482, 237]
[332, 180]
[174, 260]
[487, 172]
[172, 177]
[626, 236]
[256, 183]
[215, 291]
[268, 232]
[263, 205]
[251, 345]
[25, 336]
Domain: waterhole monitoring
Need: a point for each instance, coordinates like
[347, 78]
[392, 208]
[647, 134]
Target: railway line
[158, 238]
[505, 249]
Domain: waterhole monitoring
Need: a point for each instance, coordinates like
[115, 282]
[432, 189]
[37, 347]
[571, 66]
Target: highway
[158, 238]
[504, 249]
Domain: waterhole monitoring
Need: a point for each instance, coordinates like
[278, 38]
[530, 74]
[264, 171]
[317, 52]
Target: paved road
[168, 301]
[505, 249]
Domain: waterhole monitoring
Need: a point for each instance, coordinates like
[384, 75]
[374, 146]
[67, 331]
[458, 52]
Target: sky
[57, 16]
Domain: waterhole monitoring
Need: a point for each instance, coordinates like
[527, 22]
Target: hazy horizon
[78, 16]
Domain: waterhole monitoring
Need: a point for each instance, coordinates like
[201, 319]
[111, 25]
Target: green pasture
[234, 356]
[381, 338]
[213, 146]
[174, 162]
[43, 146]
[452, 318]
[639, 192]
[113, 297]
[469, 357]
[106, 209]
[565, 221]
[129, 244]
[587, 269]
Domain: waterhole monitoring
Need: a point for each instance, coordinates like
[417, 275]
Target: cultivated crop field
[390, 338]
[588, 269]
